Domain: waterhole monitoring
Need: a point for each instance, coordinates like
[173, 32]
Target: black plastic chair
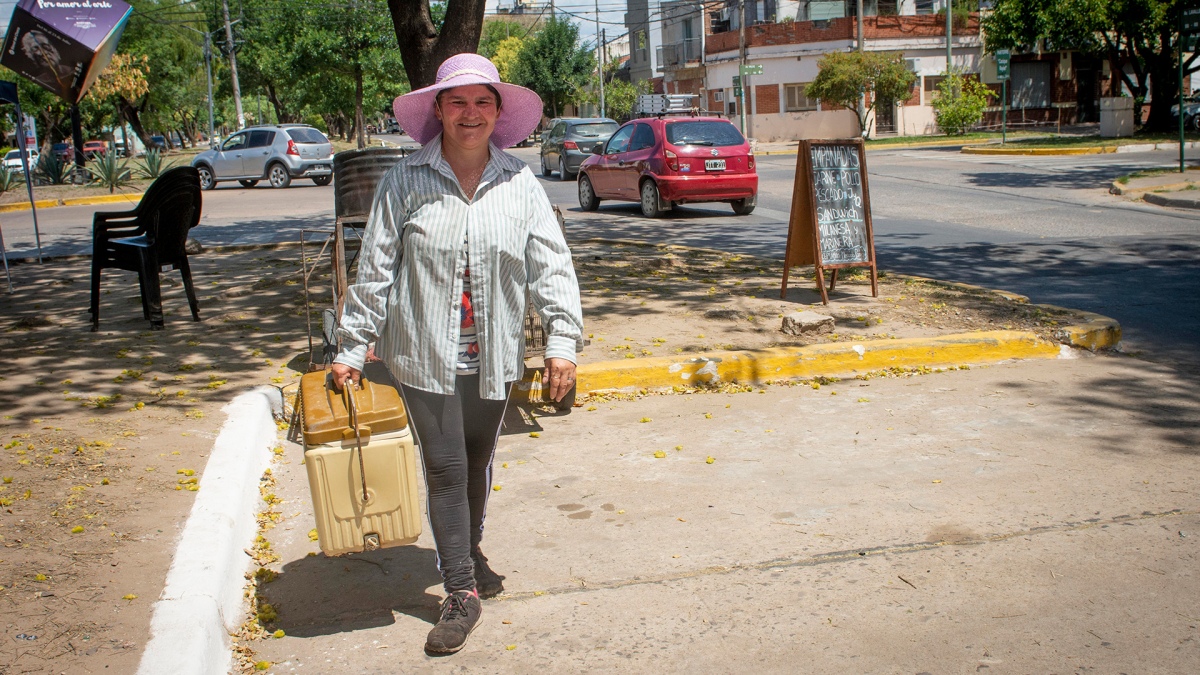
[148, 237]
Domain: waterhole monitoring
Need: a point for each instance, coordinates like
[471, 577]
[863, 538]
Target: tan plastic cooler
[391, 513]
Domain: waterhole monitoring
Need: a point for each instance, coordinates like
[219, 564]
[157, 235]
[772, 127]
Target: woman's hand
[560, 376]
[342, 372]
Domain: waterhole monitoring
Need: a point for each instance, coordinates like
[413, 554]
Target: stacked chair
[147, 238]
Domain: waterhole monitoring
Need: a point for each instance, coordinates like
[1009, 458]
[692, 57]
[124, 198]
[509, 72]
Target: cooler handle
[352, 409]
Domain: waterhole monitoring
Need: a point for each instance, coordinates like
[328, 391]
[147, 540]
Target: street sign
[1003, 56]
[752, 69]
[737, 81]
[1190, 23]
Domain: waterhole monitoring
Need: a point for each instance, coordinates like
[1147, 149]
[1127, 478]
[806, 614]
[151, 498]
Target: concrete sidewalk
[1173, 189]
[1027, 517]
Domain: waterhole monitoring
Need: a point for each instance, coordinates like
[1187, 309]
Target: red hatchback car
[664, 161]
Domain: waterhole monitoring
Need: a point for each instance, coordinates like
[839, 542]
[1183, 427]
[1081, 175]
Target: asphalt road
[1043, 226]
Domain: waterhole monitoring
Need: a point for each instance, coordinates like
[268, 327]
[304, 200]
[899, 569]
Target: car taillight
[570, 145]
[672, 160]
[750, 162]
[292, 149]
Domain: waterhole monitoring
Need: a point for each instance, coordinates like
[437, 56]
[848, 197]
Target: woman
[457, 235]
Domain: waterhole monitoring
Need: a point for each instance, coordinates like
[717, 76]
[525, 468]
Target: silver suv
[275, 153]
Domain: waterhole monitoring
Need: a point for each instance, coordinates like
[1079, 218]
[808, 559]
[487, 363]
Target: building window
[1030, 86]
[719, 95]
[797, 100]
[924, 6]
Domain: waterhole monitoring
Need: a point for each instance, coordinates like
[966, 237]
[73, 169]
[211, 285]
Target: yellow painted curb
[841, 359]
[73, 201]
[988, 150]
[1095, 332]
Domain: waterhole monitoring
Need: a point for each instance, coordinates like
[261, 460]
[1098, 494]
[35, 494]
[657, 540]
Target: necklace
[468, 180]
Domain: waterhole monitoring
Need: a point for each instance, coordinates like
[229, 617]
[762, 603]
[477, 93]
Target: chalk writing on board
[837, 190]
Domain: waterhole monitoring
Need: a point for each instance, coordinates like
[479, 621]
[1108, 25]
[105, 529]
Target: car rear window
[13, 154]
[703, 133]
[307, 135]
[596, 130]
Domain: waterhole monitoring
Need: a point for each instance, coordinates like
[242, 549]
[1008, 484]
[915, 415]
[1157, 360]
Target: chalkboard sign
[830, 224]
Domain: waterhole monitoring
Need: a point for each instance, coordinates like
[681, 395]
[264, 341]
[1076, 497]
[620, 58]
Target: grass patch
[973, 137]
[1098, 142]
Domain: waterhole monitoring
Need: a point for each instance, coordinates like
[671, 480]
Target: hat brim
[520, 111]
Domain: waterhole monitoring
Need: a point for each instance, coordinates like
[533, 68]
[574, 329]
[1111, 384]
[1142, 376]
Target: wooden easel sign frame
[830, 225]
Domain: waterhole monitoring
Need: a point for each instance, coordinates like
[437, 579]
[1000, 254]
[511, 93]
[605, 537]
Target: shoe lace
[455, 607]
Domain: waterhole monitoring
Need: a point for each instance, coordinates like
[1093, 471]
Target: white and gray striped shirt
[409, 286]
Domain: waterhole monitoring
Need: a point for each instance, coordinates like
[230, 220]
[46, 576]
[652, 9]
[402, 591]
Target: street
[1041, 226]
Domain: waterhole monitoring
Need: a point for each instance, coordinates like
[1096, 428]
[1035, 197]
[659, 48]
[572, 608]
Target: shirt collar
[431, 155]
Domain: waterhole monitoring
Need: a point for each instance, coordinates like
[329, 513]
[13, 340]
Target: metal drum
[356, 173]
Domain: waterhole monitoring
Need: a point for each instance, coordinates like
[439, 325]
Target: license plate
[714, 165]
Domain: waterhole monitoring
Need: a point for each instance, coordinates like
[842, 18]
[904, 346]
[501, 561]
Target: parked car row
[567, 142]
[276, 153]
[658, 162]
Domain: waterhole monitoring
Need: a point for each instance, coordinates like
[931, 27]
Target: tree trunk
[132, 115]
[358, 110]
[281, 112]
[422, 47]
[1163, 73]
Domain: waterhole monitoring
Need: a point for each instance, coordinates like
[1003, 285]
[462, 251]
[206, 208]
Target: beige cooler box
[391, 514]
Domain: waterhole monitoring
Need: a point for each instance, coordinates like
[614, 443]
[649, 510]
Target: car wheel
[248, 183]
[563, 174]
[279, 176]
[650, 200]
[207, 182]
[1195, 123]
[587, 196]
[545, 169]
[744, 207]
[322, 180]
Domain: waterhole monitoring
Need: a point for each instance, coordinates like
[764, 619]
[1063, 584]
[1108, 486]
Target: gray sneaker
[487, 583]
[460, 615]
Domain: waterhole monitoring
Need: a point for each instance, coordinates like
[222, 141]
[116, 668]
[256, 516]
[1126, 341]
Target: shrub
[110, 172]
[51, 169]
[152, 164]
[10, 180]
[959, 104]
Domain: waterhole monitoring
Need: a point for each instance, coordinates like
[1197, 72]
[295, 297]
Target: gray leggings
[457, 435]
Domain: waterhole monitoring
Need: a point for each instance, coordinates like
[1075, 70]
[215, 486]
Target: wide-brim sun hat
[520, 108]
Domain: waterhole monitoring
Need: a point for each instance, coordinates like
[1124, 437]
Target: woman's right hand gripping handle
[342, 373]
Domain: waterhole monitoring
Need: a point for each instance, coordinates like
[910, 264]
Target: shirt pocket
[511, 237]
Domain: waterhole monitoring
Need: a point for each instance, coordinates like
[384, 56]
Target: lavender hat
[520, 108]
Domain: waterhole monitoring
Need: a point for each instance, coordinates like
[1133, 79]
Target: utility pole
[949, 37]
[860, 25]
[741, 65]
[602, 59]
[208, 71]
[237, 90]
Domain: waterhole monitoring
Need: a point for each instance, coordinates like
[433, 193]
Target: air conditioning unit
[910, 65]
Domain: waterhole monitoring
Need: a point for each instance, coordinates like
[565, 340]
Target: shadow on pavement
[1165, 408]
[1148, 284]
[1076, 179]
[318, 595]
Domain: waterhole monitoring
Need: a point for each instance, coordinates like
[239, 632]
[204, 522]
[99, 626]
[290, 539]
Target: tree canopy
[1140, 33]
[554, 65]
[859, 80]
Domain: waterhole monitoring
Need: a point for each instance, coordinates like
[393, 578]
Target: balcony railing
[680, 54]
